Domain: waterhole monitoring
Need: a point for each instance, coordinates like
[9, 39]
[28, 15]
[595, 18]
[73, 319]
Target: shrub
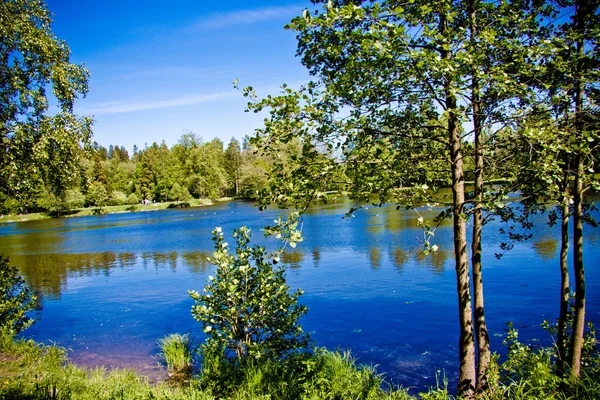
[117, 198]
[247, 309]
[74, 199]
[16, 298]
[132, 199]
[97, 195]
[183, 204]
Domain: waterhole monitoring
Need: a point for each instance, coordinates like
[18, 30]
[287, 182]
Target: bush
[74, 199]
[247, 309]
[183, 204]
[16, 299]
[117, 198]
[97, 195]
[132, 199]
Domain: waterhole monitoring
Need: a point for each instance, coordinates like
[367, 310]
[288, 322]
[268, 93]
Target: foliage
[117, 198]
[16, 299]
[74, 199]
[33, 371]
[247, 309]
[233, 165]
[132, 199]
[38, 150]
[321, 375]
[530, 372]
[97, 195]
[189, 170]
[335, 373]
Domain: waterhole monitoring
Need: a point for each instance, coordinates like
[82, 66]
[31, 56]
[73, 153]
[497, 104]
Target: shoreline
[130, 208]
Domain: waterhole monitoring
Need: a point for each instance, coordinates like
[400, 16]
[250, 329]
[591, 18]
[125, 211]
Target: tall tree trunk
[467, 373]
[578, 267]
[579, 318]
[467, 378]
[564, 283]
[483, 340]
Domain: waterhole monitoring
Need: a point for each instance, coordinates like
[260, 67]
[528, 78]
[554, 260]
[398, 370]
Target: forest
[189, 169]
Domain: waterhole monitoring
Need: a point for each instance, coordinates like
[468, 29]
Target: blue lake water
[111, 286]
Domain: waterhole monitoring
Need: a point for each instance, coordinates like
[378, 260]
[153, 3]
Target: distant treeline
[192, 168]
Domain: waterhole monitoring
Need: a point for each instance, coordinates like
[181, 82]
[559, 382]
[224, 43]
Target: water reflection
[294, 259]
[399, 257]
[49, 274]
[546, 248]
[197, 261]
[434, 261]
[316, 256]
[375, 257]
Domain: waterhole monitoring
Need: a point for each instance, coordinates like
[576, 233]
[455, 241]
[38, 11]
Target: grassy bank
[32, 371]
[82, 212]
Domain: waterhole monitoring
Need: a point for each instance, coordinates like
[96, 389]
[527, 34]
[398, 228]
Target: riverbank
[82, 212]
[29, 370]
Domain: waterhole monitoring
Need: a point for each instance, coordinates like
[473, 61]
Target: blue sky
[159, 69]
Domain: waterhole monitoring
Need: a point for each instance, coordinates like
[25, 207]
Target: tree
[16, 299]
[396, 84]
[32, 60]
[233, 163]
[207, 178]
[97, 195]
[247, 308]
[560, 147]
[583, 65]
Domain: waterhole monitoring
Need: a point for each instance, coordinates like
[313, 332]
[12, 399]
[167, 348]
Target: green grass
[176, 351]
[82, 212]
[32, 371]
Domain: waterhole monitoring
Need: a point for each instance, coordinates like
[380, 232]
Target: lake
[110, 286]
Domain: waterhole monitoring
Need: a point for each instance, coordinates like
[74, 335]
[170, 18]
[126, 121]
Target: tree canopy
[38, 150]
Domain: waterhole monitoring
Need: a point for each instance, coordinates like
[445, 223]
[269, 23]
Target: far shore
[82, 212]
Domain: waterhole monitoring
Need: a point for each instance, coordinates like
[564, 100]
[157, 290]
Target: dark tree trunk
[467, 373]
[579, 317]
[483, 340]
[578, 266]
[561, 341]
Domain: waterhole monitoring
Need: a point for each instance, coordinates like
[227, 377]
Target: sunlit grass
[177, 353]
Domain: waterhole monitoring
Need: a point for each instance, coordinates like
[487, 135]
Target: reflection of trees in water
[435, 261]
[399, 257]
[196, 261]
[375, 257]
[546, 248]
[293, 258]
[316, 256]
[48, 273]
[375, 223]
[160, 259]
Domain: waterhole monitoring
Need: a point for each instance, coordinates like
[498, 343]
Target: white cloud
[244, 17]
[119, 107]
